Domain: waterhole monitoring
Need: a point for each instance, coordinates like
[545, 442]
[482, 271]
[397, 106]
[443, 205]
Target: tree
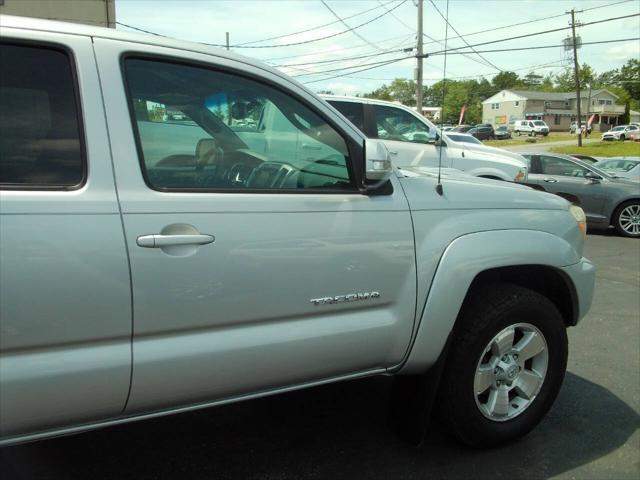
[504, 81]
[400, 90]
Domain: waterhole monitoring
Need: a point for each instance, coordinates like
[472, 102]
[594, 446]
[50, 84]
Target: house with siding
[557, 109]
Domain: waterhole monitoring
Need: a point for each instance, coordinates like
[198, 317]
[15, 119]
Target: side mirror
[592, 177]
[378, 167]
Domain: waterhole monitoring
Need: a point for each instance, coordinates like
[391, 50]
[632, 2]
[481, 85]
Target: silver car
[606, 199]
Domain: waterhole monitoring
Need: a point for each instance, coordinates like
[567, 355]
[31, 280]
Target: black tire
[622, 137]
[485, 314]
[616, 219]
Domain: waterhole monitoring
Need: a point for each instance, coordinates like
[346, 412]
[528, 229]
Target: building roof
[545, 96]
[549, 96]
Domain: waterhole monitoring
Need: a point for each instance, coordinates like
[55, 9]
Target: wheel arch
[532, 259]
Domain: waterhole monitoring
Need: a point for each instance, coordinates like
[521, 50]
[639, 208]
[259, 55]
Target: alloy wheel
[511, 372]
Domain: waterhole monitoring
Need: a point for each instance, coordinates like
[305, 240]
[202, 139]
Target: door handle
[158, 240]
[551, 180]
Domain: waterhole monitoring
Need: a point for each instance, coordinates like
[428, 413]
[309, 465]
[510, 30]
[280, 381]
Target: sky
[254, 23]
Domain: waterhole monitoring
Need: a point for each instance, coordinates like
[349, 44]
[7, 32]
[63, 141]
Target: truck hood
[492, 153]
[463, 192]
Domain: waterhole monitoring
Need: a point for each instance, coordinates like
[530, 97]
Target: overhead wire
[489, 63]
[516, 49]
[341, 20]
[318, 27]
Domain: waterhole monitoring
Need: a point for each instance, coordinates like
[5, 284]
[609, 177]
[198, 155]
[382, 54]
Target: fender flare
[489, 172]
[463, 259]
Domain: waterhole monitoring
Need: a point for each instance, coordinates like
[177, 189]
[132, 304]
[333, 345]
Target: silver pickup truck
[181, 227]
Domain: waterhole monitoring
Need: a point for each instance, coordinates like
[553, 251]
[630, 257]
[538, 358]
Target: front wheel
[627, 219]
[622, 138]
[505, 367]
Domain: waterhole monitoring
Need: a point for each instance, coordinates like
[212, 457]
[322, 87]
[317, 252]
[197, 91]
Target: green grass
[552, 137]
[602, 149]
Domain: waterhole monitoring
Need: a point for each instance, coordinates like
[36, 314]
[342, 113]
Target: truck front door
[253, 268]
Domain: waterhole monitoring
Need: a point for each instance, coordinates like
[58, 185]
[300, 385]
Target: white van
[531, 127]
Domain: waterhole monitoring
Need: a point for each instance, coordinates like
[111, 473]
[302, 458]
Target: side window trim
[352, 148]
[75, 87]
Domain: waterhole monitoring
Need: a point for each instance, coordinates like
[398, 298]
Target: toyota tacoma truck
[182, 227]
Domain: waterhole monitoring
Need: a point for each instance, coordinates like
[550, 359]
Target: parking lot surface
[340, 431]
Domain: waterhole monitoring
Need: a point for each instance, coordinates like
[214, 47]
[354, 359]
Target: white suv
[415, 142]
[619, 133]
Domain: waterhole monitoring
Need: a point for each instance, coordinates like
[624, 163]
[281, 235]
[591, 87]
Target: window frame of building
[495, 106]
[74, 93]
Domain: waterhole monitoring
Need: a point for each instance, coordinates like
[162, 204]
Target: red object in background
[464, 107]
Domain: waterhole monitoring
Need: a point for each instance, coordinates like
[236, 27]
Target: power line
[396, 17]
[439, 52]
[536, 48]
[341, 20]
[462, 38]
[314, 28]
[377, 54]
[313, 54]
[282, 44]
[353, 66]
[495, 29]
[320, 38]
[355, 71]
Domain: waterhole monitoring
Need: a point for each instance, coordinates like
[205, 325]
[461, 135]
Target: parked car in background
[621, 167]
[574, 126]
[531, 127]
[481, 132]
[447, 128]
[463, 128]
[414, 141]
[621, 132]
[153, 267]
[502, 133]
[605, 199]
[634, 135]
[584, 158]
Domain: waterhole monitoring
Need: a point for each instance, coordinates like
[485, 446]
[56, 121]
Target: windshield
[463, 138]
[617, 165]
[539, 123]
[617, 129]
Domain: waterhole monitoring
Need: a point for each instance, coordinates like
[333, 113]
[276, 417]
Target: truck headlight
[521, 176]
[580, 217]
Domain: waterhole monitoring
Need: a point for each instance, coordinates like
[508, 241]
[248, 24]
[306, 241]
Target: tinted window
[204, 129]
[353, 111]
[40, 136]
[396, 124]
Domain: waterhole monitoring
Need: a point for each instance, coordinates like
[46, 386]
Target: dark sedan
[502, 133]
[482, 132]
[605, 199]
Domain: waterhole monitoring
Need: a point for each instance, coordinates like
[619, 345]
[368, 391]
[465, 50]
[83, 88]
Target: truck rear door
[65, 304]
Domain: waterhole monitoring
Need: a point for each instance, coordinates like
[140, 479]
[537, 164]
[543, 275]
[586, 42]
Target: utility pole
[227, 40]
[419, 57]
[576, 70]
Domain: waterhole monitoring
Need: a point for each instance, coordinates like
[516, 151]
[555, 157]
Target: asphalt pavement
[340, 431]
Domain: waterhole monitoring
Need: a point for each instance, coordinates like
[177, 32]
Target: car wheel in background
[506, 365]
[626, 219]
[621, 138]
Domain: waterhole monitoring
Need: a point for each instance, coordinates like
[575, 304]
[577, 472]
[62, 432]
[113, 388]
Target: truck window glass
[200, 129]
[396, 124]
[40, 143]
